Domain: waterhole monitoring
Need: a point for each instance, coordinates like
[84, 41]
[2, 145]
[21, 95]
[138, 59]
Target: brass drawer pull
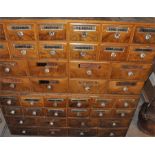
[148, 36]
[53, 52]
[12, 112]
[114, 124]
[113, 54]
[117, 35]
[7, 70]
[125, 89]
[21, 122]
[142, 55]
[83, 54]
[84, 34]
[111, 134]
[130, 73]
[34, 113]
[52, 33]
[23, 52]
[9, 102]
[20, 33]
[126, 104]
[23, 132]
[89, 72]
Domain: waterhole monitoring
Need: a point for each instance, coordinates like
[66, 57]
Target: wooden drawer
[23, 32]
[13, 68]
[130, 71]
[48, 68]
[87, 86]
[103, 103]
[89, 70]
[116, 33]
[106, 113]
[79, 103]
[141, 53]
[14, 111]
[2, 34]
[4, 50]
[53, 112]
[125, 87]
[84, 32]
[113, 52]
[53, 50]
[34, 112]
[25, 49]
[9, 101]
[144, 35]
[80, 51]
[76, 112]
[49, 85]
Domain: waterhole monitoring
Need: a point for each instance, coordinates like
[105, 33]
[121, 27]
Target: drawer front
[113, 52]
[52, 31]
[101, 113]
[83, 51]
[51, 112]
[13, 111]
[141, 53]
[9, 101]
[21, 32]
[34, 112]
[76, 112]
[125, 87]
[53, 50]
[4, 50]
[116, 33]
[79, 103]
[144, 35]
[89, 70]
[2, 34]
[13, 68]
[49, 85]
[84, 32]
[103, 103]
[24, 50]
[87, 86]
[48, 68]
[130, 71]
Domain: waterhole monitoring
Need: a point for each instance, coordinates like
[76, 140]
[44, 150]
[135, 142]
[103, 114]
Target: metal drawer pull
[82, 54]
[122, 114]
[49, 87]
[148, 36]
[12, 112]
[81, 133]
[55, 104]
[12, 85]
[21, 122]
[52, 132]
[87, 88]
[113, 55]
[100, 114]
[23, 131]
[7, 69]
[9, 102]
[56, 113]
[117, 35]
[34, 113]
[125, 89]
[79, 104]
[52, 52]
[20, 33]
[130, 73]
[83, 124]
[114, 124]
[46, 70]
[89, 72]
[51, 123]
[23, 52]
[111, 134]
[103, 104]
[126, 104]
[142, 55]
[84, 34]
[51, 33]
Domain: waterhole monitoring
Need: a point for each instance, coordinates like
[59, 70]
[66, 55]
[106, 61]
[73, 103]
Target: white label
[152, 79]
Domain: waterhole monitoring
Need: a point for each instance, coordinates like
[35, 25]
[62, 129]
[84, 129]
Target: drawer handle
[114, 124]
[83, 124]
[52, 132]
[12, 85]
[9, 102]
[81, 133]
[130, 73]
[87, 88]
[49, 87]
[89, 72]
[79, 104]
[51, 123]
[122, 114]
[126, 104]
[20, 33]
[55, 104]
[7, 69]
[52, 52]
[117, 35]
[113, 55]
[46, 70]
[12, 112]
[84, 34]
[56, 114]
[21, 122]
[111, 134]
[142, 55]
[23, 52]
[23, 131]
[103, 104]
[82, 54]
[34, 113]
[51, 33]
[125, 89]
[148, 36]
[100, 114]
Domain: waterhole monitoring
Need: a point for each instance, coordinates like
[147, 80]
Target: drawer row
[49, 85]
[78, 32]
[75, 69]
[77, 51]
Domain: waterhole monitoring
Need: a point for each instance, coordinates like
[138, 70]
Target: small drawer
[51, 112]
[52, 31]
[53, 50]
[21, 31]
[84, 32]
[49, 85]
[125, 87]
[113, 52]
[144, 35]
[89, 70]
[103, 103]
[34, 112]
[82, 132]
[76, 112]
[9, 101]
[116, 33]
[106, 113]
[2, 34]
[14, 111]
[130, 71]
[141, 53]
[79, 51]
[4, 50]
[13, 68]
[24, 50]
[79, 103]
[87, 86]
[48, 68]
[31, 101]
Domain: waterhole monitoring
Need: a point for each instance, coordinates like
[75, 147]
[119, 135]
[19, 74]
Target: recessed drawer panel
[116, 33]
[76, 112]
[89, 70]
[87, 86]
[20, 31]
[83, 51]
[79, 103]
[9, 101]
[106, 113]
[53, 50]
[84, 32]
[103, 103]
[4, 50]
[52, 112]
[52, 31]
[2, 34]
[14, 111]
[33, 112]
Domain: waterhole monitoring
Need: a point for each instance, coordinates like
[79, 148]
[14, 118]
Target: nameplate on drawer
[143, 49]
[23, 46]
[1, 47]
[132, 67]
[52, 27]
[55, 100]
[83, 47]
[53, 47]
[48, 81]
[114, 49]
[88, 83]
[51, 64]
[30, 99]
[7, 63]
[10, 80]
[147, 30]
[117, 29]
[152, 79]
[89, 65]
[20, 27]
[84, 28]
[125, 83]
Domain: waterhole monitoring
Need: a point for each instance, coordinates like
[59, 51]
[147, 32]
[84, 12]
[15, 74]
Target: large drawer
[4, 50]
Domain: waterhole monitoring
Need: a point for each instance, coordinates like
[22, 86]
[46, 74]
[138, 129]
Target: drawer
[116, 33]
[52, 31]
[80, 51]
[14, 111]
[51, 112]
[89, 70]
[125, 87]
[144, 35]
[34, 112]
[130, 71]
[111, 52]
[103, 103]
[82, 132]
[82, 122]
[31, 101]
[24, 49]
[13, 68]
[87, 86]
[106, 113]
[56, 132]
[49, 85]
[21, 31]
[112, 132]
[141, 53]
[51, 122]
[9, 101]
[2, 34]
[53, 50]
[79, 103]
[84, 32]
[48, 68]
[15, 84]
[76, 112]
[4, 50]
